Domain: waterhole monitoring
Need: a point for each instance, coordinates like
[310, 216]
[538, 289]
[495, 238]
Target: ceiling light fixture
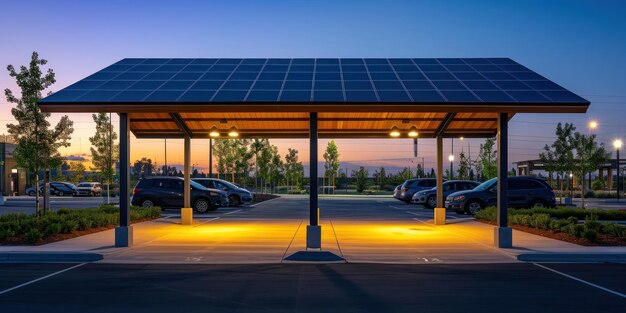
[233, 132]
[395, 132]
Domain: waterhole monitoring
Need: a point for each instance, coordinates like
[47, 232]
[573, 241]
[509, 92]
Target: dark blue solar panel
[480, 80]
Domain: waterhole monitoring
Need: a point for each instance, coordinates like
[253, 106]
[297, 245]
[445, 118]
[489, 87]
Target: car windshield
[70, 185]
[84, 185]
[486, 185]
[229, 184]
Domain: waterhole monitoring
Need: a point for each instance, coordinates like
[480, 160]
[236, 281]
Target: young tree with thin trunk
[104, 151]
[557, 158]
[589, 157]
[37, 144]
[331, 165]
[488, 158]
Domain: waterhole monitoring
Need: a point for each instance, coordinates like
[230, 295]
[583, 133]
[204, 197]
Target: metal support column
[503, 235]
[211, 158]
[186, 213]
[313, 230]
[124, 233]
[440, 210]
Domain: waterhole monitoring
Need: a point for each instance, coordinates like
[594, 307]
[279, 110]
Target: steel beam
[444, 125]
[180, 122]
[124, 233]
[440, 210]
[313, 231]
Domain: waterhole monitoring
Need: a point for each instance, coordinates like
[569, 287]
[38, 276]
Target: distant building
[13, 180]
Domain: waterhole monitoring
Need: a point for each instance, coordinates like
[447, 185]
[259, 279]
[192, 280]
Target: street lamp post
[451, 159]
[593, 124]
[617, 144]
[571, 187]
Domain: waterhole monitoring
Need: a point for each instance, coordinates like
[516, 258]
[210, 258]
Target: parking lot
[231, 260]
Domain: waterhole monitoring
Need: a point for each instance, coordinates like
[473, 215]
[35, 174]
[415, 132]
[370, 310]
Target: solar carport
[315, 98]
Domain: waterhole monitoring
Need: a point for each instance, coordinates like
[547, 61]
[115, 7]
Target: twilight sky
[578, 44]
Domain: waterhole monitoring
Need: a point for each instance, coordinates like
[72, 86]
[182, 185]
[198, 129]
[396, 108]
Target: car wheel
[202, 205]
[60, 193]
[233, 200]
[473, 206]
[147, 203]
[92, 194]
[31, 193]
[431, 202]
[538, 204]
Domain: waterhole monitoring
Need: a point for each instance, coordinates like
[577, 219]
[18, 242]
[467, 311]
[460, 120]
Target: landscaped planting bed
[565, 224]
[26, 229]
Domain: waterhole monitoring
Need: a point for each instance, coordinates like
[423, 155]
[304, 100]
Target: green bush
[613, 229]
[33, 236]
[52, 229]
[572, 220]
[590, 234]
[597, 184]
[63, 211]
[540, 221]
[66, 221]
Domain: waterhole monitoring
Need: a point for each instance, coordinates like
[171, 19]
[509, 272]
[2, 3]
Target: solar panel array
[449, 80]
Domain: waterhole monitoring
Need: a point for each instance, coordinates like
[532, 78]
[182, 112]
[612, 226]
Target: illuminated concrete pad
[186, 216]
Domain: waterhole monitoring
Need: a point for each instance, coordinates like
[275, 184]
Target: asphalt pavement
[521, 287]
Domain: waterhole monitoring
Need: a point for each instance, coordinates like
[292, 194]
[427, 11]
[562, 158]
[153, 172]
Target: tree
[464, 166]
[432, 173]
[488, 159]
[512, 173]
[37, 144]
[589, 157]
[77, 172]
[331, 157]
[557, 158]
[294, 170]
[360, 179]
[104, 153]
[142, 168]
[382, 178]
[419, 173]
[256, 147]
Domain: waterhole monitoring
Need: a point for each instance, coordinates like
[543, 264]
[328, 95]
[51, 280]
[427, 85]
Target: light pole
[571, 188]
[451, 159]
[617, 144]
[593, 124]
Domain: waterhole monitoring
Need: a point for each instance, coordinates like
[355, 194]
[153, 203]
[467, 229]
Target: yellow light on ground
[214, 132]
[413, 132]
[233, 132]
[395, 132]
[451, 158]
[617, 144]
[593, 124]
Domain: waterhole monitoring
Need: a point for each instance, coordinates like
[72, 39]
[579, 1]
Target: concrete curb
[573, 257]
[49, 257]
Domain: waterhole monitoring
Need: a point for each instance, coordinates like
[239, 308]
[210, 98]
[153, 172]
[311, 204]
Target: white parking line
[266, 201]
[231, 212]
[619, 294]
[41, 278]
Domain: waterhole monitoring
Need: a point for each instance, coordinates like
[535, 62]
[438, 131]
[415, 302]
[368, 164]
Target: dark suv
[411, 186]
[523, 192]
[167, 192]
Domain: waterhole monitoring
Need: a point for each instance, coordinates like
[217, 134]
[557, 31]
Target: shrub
[572, 220]
[597, 184]
[541, 221]
[590, 234]
[69, 226]
[64, 211]
[613, 229]
[84, 223]
[33, 236]
[52, 229]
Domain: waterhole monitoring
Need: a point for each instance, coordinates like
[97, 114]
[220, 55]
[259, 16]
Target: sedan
[428, 198]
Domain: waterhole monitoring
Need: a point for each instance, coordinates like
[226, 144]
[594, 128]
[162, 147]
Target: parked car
[32, 191]
[411, 186]
[91, 189]
[428, 198]
[167, 192]
[397, 190]
[62, 189]
[523, 191]
[236, 195]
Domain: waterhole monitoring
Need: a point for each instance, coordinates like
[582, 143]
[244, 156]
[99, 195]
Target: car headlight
[458, 198]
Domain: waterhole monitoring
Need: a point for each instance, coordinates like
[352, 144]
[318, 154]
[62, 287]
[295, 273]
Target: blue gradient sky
[578, 44]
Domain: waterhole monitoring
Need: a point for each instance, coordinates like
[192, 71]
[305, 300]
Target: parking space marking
[231, 212]
[266, 201]
[41, 278]
[619, 294]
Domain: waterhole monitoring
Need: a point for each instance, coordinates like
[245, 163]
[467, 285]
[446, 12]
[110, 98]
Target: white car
[91, 189]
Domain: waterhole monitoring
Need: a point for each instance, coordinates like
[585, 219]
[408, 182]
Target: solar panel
[451, 80]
